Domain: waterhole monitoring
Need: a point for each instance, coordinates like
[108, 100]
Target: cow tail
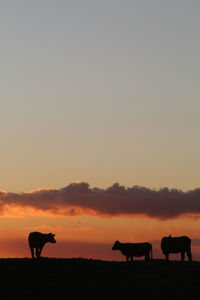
[151, 252]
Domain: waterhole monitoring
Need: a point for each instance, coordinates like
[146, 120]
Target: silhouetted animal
[37, 240]
[134, 249]
[179, 244]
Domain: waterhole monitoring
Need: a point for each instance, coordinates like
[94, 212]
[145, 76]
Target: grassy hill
[51, 278]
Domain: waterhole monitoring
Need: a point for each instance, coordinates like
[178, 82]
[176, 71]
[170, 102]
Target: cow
[134, 249]
[37, 240]
[179, 244]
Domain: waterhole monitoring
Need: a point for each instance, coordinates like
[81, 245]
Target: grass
[50, 278]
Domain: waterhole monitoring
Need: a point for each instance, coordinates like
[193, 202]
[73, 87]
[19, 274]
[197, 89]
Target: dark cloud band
[79, 198]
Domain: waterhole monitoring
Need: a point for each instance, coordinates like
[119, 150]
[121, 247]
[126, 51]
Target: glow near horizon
[75, 239]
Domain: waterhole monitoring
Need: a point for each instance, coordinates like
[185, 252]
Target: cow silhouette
[37, 240]
[179, 244]
[134, 249]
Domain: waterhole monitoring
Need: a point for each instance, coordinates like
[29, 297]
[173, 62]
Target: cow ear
[53, 234]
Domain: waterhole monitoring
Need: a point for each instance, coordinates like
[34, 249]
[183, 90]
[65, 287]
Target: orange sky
[91, 237]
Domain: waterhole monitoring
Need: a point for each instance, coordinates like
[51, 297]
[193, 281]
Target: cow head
[51, 238]
[116, 245]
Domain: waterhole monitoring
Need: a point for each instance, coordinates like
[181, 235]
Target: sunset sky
[99, 124]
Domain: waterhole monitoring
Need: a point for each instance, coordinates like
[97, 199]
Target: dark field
[51, 278]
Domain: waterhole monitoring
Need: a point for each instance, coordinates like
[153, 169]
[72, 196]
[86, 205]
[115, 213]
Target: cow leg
[182, 256]
[41, 249]
[127, 257]
[189, 254]
[37, 252]
[32, 252]
[147, 255]
[131, 258]
[167, 257]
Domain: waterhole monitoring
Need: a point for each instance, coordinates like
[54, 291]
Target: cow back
[37, 239]
[175, 244]
[135, 249]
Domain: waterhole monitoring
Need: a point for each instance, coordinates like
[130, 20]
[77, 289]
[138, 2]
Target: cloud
[79, 199]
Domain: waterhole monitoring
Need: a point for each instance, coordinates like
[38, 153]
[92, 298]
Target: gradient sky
[99, 91]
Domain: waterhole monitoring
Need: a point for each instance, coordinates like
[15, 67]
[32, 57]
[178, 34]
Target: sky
[101, 98]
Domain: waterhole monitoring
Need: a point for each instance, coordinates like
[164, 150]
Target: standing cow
[179, 244]
[37, 240]
[134, 249]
